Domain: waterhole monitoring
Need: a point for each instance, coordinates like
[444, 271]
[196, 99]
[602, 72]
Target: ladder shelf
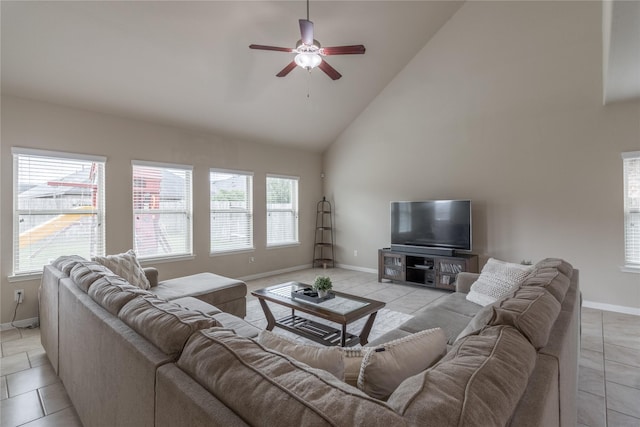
[323, 245]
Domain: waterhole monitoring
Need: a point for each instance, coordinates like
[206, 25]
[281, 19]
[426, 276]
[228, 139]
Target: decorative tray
[308, 294]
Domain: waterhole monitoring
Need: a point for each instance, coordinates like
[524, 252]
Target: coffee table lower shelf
[318, 332]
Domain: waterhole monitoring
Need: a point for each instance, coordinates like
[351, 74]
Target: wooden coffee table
[343, 309]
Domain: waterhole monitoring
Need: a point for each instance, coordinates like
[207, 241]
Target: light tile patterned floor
[609, 385]
[609, 370]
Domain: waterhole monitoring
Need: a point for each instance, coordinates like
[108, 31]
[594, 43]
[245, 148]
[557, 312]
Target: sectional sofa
[129, 357]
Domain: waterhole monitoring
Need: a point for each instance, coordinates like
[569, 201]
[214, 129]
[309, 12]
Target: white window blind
[282, 210]
[231, 210]
[162, 210]
[631, 172]
[58, 207]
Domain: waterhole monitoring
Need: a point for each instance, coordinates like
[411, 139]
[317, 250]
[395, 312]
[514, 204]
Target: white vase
[323, 294]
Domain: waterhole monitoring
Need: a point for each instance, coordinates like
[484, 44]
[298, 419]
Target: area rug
[386, 320]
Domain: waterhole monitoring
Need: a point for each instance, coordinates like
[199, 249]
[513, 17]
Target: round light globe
[308, 60]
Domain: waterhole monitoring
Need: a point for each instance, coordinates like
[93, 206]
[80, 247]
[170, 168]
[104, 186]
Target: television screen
[433, 223]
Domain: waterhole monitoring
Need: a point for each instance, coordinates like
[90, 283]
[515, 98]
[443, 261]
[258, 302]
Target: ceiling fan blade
[329, 70]
[306, 31]
[278, 49]
[286, 70]
[343, 50]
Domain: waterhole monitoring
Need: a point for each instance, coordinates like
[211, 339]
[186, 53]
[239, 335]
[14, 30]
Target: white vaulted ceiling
[188, 63]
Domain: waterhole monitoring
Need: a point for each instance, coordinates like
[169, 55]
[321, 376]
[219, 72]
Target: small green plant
[322, 283]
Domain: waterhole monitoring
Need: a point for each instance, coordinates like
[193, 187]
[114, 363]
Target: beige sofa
[135, 360]
[109, 370]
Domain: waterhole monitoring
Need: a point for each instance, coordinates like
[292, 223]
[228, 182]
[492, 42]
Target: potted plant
[322, 285]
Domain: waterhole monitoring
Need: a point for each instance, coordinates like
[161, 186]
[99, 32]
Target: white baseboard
[23, 323]
[274, 272]
[304, 267]
[611, 307]
[356, 268]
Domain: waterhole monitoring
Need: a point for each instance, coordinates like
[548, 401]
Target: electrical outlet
[18, 296]
[355, 252]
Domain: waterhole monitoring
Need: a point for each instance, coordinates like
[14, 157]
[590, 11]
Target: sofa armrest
[464, 281]
[152, 275]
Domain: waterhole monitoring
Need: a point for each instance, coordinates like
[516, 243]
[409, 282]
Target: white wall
[38, 125]
[502, 106]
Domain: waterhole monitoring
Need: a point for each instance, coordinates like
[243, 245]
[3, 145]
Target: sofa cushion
[328, 358]
[478, 323]
[195, 304]
[165, 324]
[240, 326]
[456, 302]
[550, 278]
[530, 310]
[450, 322]
[497, 279]
[127, 266]
[85, 273]
[113, 292]
[265, 387]
[477, 383]
[563, 266]
[211, 288]
[66, 263]
[386, 366]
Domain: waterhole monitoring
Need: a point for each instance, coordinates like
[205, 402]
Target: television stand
[424, 250]
[419, 268]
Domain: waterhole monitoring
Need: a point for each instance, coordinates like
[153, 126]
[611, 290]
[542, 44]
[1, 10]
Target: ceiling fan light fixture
[308, 60]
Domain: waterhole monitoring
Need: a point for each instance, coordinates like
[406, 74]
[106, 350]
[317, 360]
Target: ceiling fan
[310, 53]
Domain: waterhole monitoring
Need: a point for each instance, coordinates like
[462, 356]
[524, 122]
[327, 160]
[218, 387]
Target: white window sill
[160, 260]
[630, 269]
[24, 277]
[232, 252]
[284, 245]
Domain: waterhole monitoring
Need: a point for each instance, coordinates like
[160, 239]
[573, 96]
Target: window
[162, 210]
[631, 172]
[231, 211]
[282, 210]
[58, 207]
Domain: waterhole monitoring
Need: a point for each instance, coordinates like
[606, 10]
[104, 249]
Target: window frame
[631, 178]
[98, 199]
[295, 210]
[188, 211]
[248, 211]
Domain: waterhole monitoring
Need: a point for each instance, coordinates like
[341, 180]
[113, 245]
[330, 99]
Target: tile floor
[609, 384]
[609, 369]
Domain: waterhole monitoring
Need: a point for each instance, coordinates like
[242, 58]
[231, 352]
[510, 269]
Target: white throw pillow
[497, 280]
[385, 366]
[126, 265]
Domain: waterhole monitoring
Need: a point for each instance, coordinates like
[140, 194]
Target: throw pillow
[328, 358]
[126, 265]
[497, 280]
[385, 367]
[352, 363]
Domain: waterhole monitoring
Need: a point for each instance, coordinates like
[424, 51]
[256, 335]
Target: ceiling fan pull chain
[309, 85]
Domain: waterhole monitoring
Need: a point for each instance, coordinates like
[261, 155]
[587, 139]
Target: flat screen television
[432, 226]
